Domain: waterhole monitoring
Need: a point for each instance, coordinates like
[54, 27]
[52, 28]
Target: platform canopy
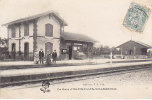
[77, 37]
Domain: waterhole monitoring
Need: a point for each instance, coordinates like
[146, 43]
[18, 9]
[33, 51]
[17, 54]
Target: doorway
[70, 52]
[130, 52]
[14, 51]
[26, 51]
[48, 47]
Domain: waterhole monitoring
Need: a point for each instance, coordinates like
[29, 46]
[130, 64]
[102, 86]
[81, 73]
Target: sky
[99, 19]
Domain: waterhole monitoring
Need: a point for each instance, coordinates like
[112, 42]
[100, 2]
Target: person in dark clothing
[54, 56]
[48, 58]
[41, 56]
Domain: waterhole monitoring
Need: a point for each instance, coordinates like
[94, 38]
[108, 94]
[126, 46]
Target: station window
[13, 32]
[26, 29]
[48, 30]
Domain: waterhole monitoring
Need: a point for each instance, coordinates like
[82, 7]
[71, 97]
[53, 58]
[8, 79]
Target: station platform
[69, 62]
[30, 64]
[15, 76]
[19, 63]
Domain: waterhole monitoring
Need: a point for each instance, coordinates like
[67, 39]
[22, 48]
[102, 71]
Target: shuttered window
[13, 32]
[49, 30]
[26, 29]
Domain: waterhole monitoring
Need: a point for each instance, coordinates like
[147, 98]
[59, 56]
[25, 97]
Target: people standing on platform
[41, 56]
[54, 56]
[36, 57]
[48, 57]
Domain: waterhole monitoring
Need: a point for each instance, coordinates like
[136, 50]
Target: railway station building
[134, 49]
[45, 31]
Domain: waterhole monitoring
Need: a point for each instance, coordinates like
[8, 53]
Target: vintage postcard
[75, 49]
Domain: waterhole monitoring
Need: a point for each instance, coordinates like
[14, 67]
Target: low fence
[12, 56]
[122, 56]
[138, 57]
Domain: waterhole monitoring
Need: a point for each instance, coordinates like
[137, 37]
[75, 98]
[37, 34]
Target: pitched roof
[77, 37]
[146, 45]
[37, 16]
[139, 42]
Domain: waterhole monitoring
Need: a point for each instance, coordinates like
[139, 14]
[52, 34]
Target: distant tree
[102, 50]
[115, 51]
[3, 48]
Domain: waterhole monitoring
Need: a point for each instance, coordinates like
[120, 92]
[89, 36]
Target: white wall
[22, 30]
[24, 38]
[42, 40]
[30, 30]
[55, 40]
[27, 40]
[9, 33]
[56, 47]
[17, 31]
[46, 20]
[11, 41]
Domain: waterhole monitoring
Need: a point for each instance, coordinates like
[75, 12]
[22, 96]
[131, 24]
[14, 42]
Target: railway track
[76, 77]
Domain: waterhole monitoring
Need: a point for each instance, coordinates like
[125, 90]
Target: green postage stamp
[136, 17]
